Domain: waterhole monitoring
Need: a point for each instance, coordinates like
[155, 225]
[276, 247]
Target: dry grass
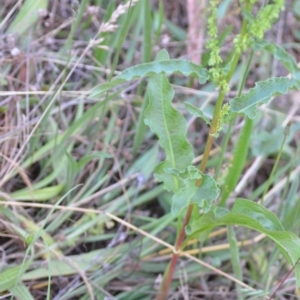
[81, 216]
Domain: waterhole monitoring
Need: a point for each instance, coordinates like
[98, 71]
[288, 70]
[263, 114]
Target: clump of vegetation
[82, 215]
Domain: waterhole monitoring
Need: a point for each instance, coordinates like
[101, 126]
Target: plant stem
[226, 137]
[167, 279]
[212, 131]
[169, 272]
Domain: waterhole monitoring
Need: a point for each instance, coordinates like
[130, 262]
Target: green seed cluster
[217, 74]
[259, 24]
[224, 116]
[256, 27]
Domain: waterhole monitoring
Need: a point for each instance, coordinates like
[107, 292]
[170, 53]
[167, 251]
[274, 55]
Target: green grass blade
[291, 207]
[124, 30]
[75, 24]
[178, 33]
[27, 16]
[235, 256]
[141, 126]
[270, 178]
[10, 275]
[38, 195]
[147, 31]
[21, 292]
[239, 158]
[158, 21]
[147, 52]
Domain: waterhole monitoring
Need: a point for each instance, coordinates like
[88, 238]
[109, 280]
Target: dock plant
[198, 200]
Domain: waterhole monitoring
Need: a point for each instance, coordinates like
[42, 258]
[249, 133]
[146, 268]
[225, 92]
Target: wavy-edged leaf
[280, 54]
[191, 193]
[170, 127]
[261, 93]
[167, 67]
[196, 112]
[254, 216]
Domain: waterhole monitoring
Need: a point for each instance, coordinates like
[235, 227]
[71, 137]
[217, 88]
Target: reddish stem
[165, 286]
[168, 276]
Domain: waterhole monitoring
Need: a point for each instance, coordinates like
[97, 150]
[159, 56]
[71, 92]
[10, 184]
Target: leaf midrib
[168, 135]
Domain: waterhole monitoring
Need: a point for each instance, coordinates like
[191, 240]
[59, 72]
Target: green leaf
[248, 15]
[238, 162]
[281, 55]
[35, 229]
[62, 267]
[266, 143]
[254, 216]
[296, 8]
[97, 155]
[72, 166]
[162, 55]
[145, 164]
[261, 93]
[167, 67]
[27, 16]
[9, 276]
[256, 294]
[20, 291]
[146, 18]
[177, 32]
[170, 127]
[37, 195]
[196, 112]
[191, 193]
[57, 268]
[235, 255]
[290, 210]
